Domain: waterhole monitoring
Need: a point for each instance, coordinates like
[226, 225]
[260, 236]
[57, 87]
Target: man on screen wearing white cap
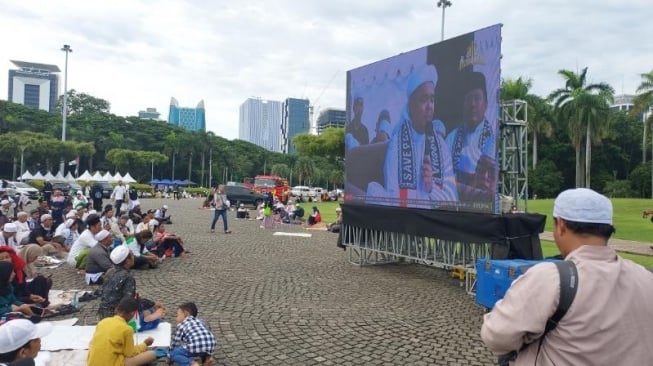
[417, 169]
[609, 322]
[20, 340]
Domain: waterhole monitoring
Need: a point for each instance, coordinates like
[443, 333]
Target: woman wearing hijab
[32, 292]
[315, 216]
[8, 301]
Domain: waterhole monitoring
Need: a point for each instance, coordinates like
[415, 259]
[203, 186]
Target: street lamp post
[152, 170]
[22, 155]
[66, 48]
[443, 4]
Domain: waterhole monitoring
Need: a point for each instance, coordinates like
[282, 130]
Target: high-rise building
[331, 117]
[260, 123]
[149, 113]
[295, 120]
[192, 119]
[625, 102]
[34, 85]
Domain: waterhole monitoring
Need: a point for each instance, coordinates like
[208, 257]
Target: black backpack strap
[568, 287]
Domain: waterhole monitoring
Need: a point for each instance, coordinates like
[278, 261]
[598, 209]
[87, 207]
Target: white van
[303, 191]
[317, 191]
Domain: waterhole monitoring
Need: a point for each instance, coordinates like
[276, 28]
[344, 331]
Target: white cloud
[138, 54]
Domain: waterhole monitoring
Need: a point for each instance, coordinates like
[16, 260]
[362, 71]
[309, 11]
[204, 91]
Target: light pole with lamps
[443, 4]
[152, 170]
[66, 48]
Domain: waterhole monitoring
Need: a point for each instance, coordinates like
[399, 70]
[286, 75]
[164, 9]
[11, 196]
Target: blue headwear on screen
[419, 76]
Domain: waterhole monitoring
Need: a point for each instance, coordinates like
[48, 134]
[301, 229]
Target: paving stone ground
[281, 300]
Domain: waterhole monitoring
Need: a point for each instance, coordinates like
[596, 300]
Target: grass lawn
[549, 249]
[627, 217]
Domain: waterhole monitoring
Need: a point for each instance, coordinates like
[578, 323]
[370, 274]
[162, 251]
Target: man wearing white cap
[417, 169]
[20, 339]
[609, 321]
[8, 236]
[120, 283]
[98, 260]
[22, 227]
[161, 215]
[85, 241]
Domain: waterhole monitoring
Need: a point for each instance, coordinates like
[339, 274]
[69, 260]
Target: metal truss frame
[513, 152]
[373, 247]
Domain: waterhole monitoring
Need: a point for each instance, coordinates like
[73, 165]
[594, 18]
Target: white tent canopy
[38, 175]
[26, 176]
[85, 176]
[59, 176]
[97, 176]
[128, 178]
[69, 177]
[48, 176]
[107, 176]
[116, 177]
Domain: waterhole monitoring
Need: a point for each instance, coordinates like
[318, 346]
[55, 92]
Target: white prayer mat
[302, 235]
[74, 337]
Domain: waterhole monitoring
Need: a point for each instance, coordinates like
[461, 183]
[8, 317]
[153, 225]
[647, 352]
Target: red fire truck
[272, 183]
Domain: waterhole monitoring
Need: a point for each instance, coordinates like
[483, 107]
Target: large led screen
[422, 129]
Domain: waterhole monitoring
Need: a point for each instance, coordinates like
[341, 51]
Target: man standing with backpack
[608, 322]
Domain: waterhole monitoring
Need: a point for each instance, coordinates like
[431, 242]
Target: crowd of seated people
[101, 246]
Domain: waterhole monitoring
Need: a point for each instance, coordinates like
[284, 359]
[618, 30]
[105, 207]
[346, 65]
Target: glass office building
[260, 123]
[295, 120]
[191, 119]
[331, 117]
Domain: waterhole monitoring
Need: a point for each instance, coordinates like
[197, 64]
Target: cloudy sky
[140, 53]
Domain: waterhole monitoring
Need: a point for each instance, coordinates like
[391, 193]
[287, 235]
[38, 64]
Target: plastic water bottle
[75, 302]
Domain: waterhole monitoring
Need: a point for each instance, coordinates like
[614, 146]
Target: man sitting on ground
[98, 260]
[161, 215]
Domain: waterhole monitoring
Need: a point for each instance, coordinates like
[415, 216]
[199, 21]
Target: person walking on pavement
[221, 205]
[118, 195]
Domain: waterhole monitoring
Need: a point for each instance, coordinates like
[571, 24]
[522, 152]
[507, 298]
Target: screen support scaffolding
[513, 152]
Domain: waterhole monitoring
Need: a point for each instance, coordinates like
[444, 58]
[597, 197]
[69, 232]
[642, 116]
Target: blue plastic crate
[494, 277]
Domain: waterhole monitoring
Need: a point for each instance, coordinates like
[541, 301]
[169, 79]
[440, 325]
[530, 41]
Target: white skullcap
[46, 217]
[4, 202]
[165, 207]
[16, 333]
[419, 76]
[583, 205]
[10, 227]
[119, 254]
[102, 235]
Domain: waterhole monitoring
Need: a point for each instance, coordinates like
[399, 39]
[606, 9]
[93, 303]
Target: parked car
[317, 192]
[65, 186]
[237, 195]
[25, 188]
[303, 191]
[107, 189]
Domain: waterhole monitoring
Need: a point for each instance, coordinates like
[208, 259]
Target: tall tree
[539, 112]
[83, 103]
[643, 103]
[583, 106]
[305, 168]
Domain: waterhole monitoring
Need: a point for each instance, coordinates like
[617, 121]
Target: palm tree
[539, 112]
[305, 168]
[582, 106]
[642, 104]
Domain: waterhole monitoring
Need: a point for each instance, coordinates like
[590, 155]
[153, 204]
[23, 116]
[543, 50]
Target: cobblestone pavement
[628, 246]
[283, 300]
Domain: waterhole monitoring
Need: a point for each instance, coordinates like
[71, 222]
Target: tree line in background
[147, 148]
[574, 137]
